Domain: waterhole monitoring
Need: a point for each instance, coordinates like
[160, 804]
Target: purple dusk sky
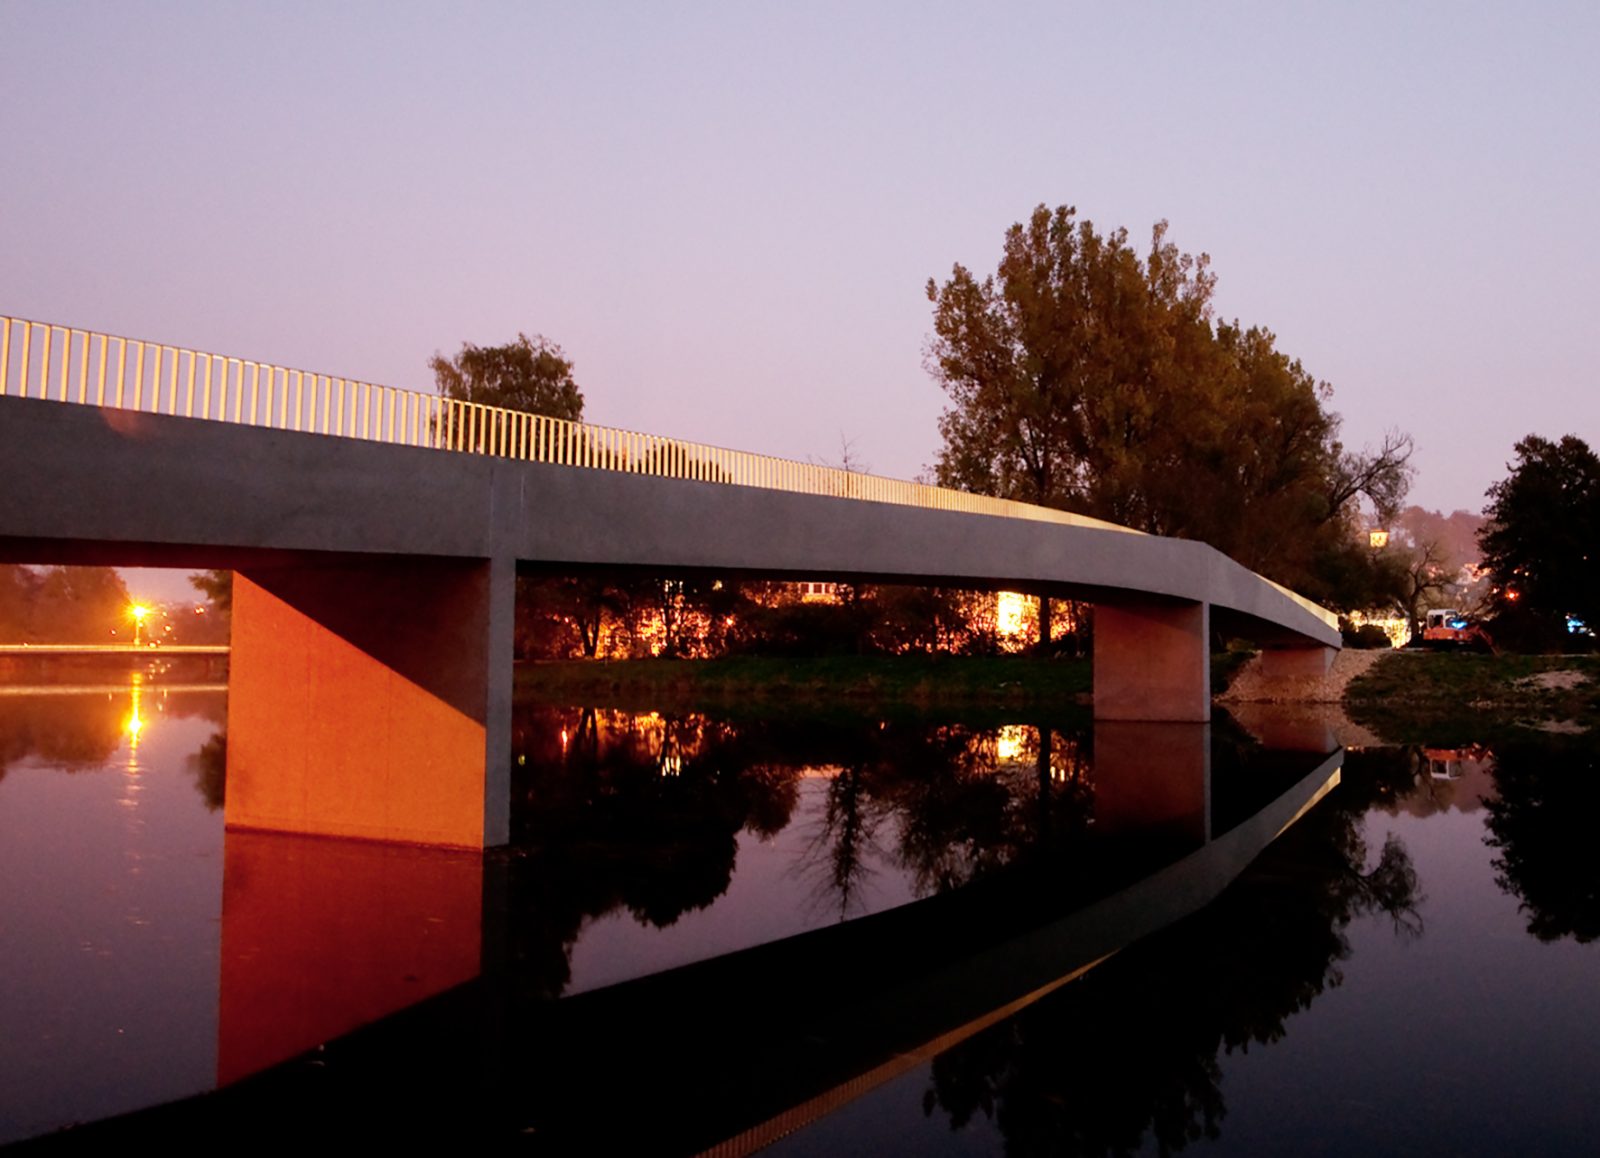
[726, 214]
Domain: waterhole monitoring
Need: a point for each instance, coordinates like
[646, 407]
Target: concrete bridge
[377, 533]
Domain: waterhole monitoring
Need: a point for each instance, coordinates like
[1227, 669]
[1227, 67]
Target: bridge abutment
[1152, 662]
[1296, 663]
[373, 700]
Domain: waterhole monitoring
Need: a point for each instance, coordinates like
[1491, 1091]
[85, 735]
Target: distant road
[121, 689]
[113, 649]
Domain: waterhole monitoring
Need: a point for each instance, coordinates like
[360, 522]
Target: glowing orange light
[138, 611]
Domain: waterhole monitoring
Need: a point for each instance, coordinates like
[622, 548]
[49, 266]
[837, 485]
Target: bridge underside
[374, 701]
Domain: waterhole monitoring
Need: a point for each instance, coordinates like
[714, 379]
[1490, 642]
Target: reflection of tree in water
[209, 767]
[73, 733]
[1548, 796]
[989, 806]
[619, 810]
[1130, 1053]
[963, 801]
[81, 732]
[623, 811]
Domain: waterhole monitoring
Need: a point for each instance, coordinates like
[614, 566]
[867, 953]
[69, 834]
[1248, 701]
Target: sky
[727, 214]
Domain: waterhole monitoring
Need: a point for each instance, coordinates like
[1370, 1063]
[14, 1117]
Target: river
[824, 933]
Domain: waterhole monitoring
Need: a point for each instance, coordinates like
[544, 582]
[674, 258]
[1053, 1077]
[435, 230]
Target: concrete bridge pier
[1152, 661]
[372, 699]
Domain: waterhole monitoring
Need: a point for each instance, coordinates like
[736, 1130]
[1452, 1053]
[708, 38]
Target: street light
[138, 611]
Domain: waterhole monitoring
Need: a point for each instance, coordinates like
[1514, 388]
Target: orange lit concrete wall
[1152, 662]
[322, 936]
[373, 701]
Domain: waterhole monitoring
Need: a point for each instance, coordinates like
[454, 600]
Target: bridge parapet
[59, 363]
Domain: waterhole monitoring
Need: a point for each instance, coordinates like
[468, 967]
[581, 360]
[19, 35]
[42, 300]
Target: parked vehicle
[1448, 628]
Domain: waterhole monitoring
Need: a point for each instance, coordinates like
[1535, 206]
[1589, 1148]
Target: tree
[1541, 544]
[216, 586]
[1084, 377]
[80, 604]
[529, 374]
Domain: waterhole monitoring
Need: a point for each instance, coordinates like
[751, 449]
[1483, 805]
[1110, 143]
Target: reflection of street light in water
[135, 722]
[134, 727]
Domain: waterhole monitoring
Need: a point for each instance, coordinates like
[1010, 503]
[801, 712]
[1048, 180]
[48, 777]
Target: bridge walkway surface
[376, 535]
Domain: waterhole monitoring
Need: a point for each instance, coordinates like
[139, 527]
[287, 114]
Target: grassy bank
[913, 681]
[865, 681]
[1445, 697]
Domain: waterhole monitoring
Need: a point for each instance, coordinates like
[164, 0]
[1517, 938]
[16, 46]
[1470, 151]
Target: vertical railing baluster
[44, 375]
[138, 378]
[27, 359]
[83, 365]
[122, 367]
[66, 358]
[100, 379]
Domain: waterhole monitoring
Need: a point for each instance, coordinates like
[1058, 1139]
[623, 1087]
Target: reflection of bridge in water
[418, 975]
[371, 662]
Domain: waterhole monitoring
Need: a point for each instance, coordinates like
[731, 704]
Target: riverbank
[866, 680]
[1403, 697]
[1434, 697]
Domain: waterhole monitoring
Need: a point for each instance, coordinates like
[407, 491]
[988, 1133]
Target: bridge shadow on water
[375, 991]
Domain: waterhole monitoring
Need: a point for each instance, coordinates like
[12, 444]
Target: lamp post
[138, 611]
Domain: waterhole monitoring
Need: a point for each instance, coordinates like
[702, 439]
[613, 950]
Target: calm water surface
[804, 932]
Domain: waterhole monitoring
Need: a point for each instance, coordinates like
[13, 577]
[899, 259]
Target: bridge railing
[65, 364]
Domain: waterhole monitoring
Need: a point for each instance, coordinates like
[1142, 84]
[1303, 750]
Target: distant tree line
[608, 617]
[63, 605]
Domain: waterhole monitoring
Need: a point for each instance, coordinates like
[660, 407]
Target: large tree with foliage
[529, 374]
[1086, 377]
[1541, 544]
